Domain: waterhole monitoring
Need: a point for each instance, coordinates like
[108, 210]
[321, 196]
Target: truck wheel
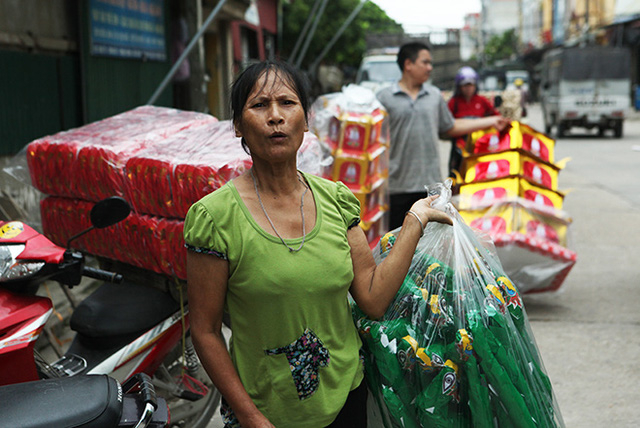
[547, 128]
[560, 130]
[617, 129]
[601, 130]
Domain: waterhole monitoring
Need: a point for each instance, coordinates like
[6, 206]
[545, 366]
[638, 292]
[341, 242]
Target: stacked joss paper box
[354, 127]
[509, 189]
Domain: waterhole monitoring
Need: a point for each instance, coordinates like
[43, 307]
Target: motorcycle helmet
[518, 82]
[465, 76]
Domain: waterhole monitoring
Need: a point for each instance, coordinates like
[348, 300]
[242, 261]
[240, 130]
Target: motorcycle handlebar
[102, 275]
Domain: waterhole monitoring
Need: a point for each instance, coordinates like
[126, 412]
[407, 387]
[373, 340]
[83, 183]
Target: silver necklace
[304, 233]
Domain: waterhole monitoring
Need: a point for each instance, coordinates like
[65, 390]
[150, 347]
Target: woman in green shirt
[278, 249]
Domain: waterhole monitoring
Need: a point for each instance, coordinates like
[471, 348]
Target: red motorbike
[121, 329]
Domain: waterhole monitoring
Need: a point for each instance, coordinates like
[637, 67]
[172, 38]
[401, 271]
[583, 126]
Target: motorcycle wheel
[185, 413]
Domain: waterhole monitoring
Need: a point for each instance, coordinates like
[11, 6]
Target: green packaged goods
[455, 348]
[401, 415]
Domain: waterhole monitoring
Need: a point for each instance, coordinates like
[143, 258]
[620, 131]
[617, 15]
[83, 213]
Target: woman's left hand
[423, 209]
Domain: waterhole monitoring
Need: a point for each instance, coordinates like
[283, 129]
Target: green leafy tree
[501, 47]
[351, 46]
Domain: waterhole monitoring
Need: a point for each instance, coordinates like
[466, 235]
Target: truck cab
[588, 87]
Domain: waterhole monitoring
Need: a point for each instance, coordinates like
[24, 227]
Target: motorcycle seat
[79, 401]
[116, 310]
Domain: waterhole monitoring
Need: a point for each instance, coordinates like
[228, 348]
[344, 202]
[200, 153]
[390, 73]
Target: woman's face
[273, 121]
[468, 90]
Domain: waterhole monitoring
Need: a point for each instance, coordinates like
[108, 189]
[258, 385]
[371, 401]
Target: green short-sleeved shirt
[294, 342]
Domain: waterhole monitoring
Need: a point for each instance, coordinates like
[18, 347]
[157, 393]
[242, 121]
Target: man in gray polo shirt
[418, 118]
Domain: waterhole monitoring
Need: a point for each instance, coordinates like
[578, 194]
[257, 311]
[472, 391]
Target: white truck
[379, 69]
[588, 87]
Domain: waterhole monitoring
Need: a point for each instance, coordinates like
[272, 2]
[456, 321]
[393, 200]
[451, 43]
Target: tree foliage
[351, 46]
[501, 47]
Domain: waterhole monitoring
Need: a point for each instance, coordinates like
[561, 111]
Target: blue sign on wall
[128, 28]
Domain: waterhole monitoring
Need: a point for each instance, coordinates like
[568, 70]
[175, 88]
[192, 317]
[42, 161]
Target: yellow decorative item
[360, 132]
[521, 216]
[360, 171]
[476, 195]
[520, 136]
[511, 163]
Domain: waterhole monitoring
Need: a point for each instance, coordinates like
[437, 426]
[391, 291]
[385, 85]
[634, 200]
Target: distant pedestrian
[466, 103]
[524, 95]
[418, 118]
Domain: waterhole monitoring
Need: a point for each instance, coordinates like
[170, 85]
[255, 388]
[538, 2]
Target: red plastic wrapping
[87, 162]
[167, 177]
[149, 242]
[161, 160]
[536, 264]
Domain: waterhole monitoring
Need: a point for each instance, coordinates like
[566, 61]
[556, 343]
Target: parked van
[587, 87]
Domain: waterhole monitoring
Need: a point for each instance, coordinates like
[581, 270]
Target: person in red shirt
[466, 103]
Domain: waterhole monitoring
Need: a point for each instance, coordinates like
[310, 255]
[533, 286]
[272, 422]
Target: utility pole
[483, 21]
[311, 34]
[303, 33]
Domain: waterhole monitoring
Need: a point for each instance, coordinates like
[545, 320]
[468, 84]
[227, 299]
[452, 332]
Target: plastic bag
[455, 348]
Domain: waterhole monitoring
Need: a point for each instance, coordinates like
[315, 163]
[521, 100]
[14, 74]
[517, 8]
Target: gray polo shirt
[415, 127]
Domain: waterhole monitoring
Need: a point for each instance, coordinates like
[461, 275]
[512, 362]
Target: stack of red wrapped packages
[87, 162]
[149, 242]
[160, 160]
[165, 178]
[509, 189]
[354, 126]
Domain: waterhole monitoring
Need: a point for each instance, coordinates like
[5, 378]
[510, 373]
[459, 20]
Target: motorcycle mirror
[109, 211]
[105, 213]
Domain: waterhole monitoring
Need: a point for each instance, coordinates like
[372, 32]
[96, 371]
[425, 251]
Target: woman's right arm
[207, 286]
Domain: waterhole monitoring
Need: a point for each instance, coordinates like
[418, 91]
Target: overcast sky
[420, 16]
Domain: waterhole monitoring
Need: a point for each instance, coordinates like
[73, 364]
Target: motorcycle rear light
[11, 268]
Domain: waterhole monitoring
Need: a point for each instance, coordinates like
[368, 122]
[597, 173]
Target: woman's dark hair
[410, 51]
[247, 80]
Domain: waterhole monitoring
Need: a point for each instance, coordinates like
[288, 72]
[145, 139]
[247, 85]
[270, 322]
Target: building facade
[65, 63]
